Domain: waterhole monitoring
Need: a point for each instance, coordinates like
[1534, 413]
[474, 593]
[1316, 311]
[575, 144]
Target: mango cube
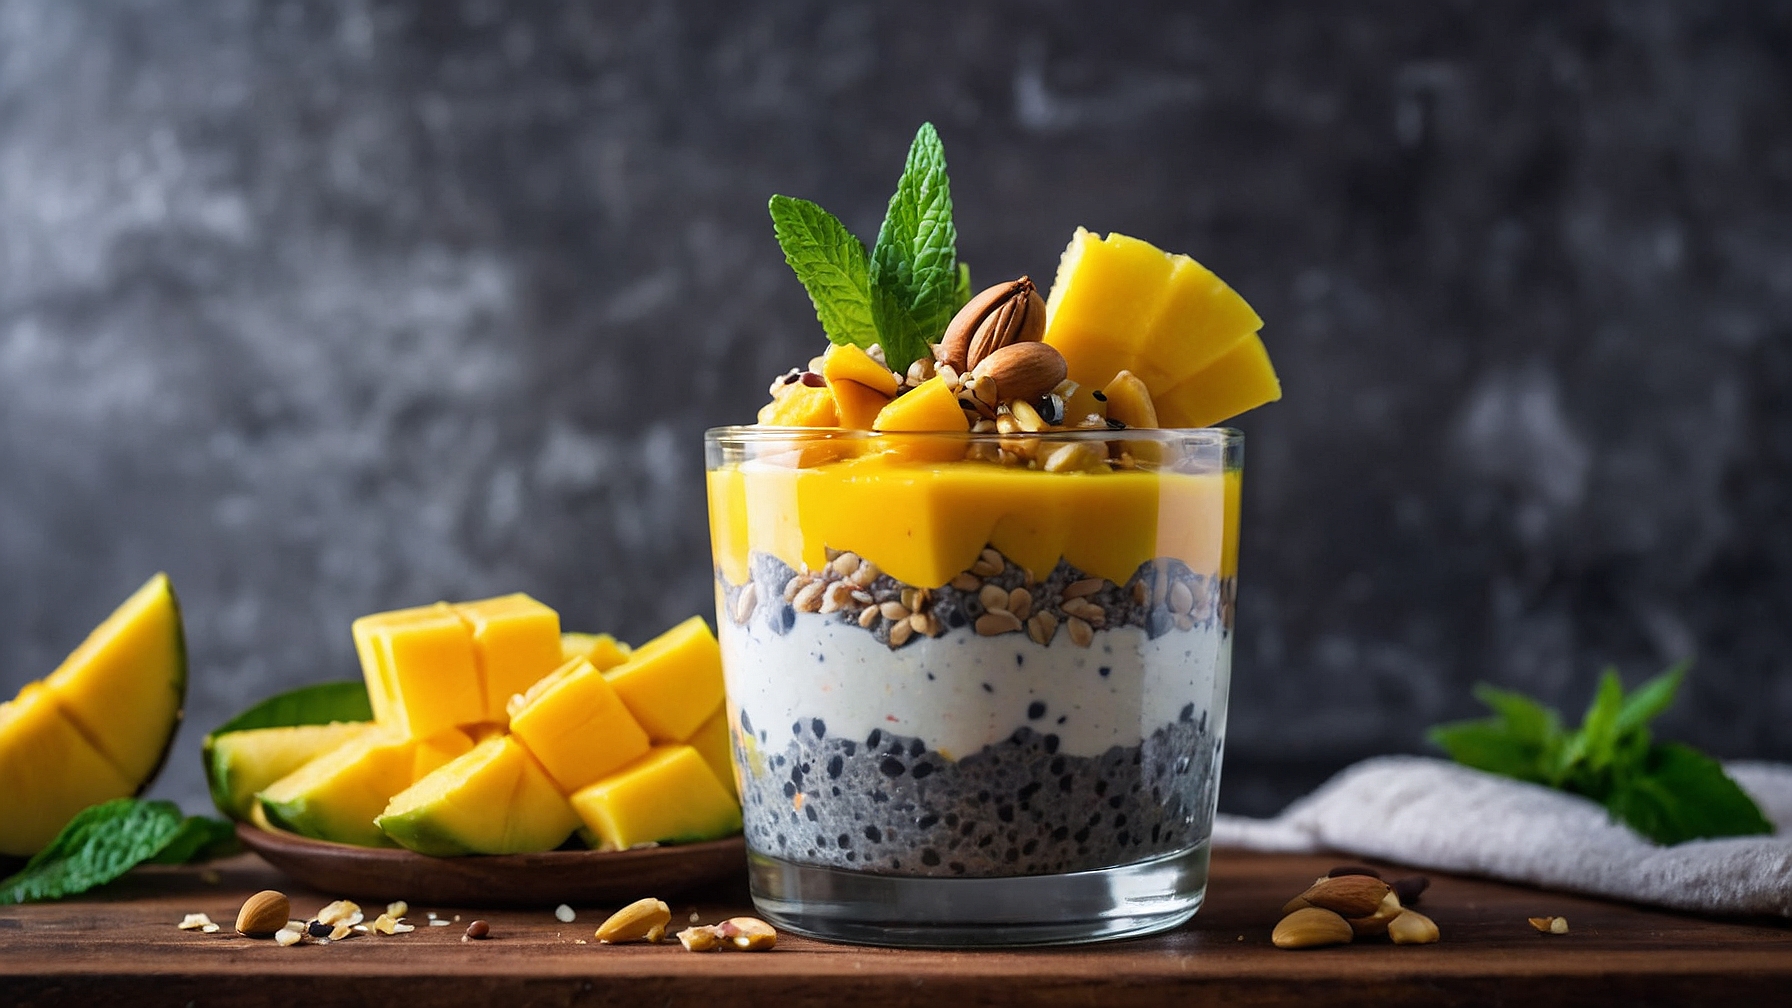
[601, 649]
[420, 669]
[667, 796]
[494, 799]
[672, 683]
[715, 743]
[516, 641]
[576, 726]
[337, 795]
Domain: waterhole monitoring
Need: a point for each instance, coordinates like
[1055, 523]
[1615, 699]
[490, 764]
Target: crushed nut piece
[635, 922]
[1550, 925]
[564, 914]
[210, 929]
[438, 923]
[193, 922]
[398, 908]
[385, 924]
[341, 912]
[749, 934]
[700, 939]
[286, 936]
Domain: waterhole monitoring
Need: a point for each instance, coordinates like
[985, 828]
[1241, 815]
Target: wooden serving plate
[507, 880]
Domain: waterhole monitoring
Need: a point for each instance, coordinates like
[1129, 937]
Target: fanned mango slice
[667, 796]
[576, 726]
[241, 763]
[672, 683]
[337, 795]
[124, 686]
[48, 772]
[1122, 304]
[494, 799]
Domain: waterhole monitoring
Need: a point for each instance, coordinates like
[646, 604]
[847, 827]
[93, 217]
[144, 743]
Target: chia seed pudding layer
[960, 731]
[888, 804]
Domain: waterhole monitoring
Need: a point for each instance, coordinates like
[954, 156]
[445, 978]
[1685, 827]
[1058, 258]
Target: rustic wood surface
[120, 946]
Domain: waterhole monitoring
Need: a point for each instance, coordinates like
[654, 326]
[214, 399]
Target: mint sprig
[904, 293]
[1665, 791]
[106, 840]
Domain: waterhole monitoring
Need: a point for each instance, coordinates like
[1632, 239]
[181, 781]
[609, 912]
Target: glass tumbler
[976, 683]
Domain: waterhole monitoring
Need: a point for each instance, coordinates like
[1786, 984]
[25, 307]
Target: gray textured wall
[327, 308]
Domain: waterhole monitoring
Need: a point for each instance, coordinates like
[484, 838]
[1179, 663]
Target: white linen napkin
[1431, 813]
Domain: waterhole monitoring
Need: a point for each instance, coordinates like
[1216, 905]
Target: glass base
[862, 908]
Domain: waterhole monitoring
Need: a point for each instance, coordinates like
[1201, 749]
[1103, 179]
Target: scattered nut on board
[263, 914]
[476, 931]
[1550, 925]
[642, 920]
[748, 934]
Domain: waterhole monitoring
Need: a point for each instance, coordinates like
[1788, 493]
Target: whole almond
[263, 913]
[1019, 319]
[1311, 927]
[1348, 895]
[1021, 371]
[955, 345]
[635, 922]
[1377, 922]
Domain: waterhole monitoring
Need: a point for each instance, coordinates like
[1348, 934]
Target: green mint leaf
[1525, 718]
[201, 838]
[1587, 751]
[832, 266]
[98, 845]
[1488, 744]
[961, 292]
[914, 265]
[1647, 701]
[1680, 794]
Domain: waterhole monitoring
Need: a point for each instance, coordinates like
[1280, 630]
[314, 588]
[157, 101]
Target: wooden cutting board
[120, 946]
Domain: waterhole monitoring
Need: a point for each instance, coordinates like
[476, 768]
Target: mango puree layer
[923, 522]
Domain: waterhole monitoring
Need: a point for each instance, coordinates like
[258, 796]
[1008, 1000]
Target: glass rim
[755, 434]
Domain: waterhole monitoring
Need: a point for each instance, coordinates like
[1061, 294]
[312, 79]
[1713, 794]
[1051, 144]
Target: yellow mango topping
[337, 795]
[1129, 401]
[1122, 304]
[856, 406]
[516, 641]
[667, 796]
[845, 362]
[122, 688]
[420, 669]
[929, 406]
[799, 405]
[672, 683]
[922, 523]
[715, 743]
[48, 772]
[576, 726]
[494, 799]
[1243, 379]
[601, 650]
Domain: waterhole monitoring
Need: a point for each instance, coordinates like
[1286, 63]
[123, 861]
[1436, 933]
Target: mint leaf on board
[914, 265]
[103, 842]
[1667, 792]
[832, 266]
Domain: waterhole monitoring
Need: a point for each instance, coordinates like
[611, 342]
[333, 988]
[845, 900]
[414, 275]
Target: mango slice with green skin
[1122, 304]
[672, 683]
[241, 763]
[715, 743]
[576, 726]
[99, 726]
[494, 799]
[48, 772]
[669, 795]
[601, 650]
[337, 795]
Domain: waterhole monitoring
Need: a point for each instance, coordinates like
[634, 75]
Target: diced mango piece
[1129, 401]
[48, 772]
[845, 362]
[601, 650]
[494, 799]
[420, 668]
[715, 743]
[929, 406]
[576, 726]
[672, 683]
[800, 405]
[516, 641]
[856, 406]
[337, 795]
[1241, 380]
[667, 796]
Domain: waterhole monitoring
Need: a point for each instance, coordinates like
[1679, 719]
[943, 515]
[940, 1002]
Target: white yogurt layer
[962, 691]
